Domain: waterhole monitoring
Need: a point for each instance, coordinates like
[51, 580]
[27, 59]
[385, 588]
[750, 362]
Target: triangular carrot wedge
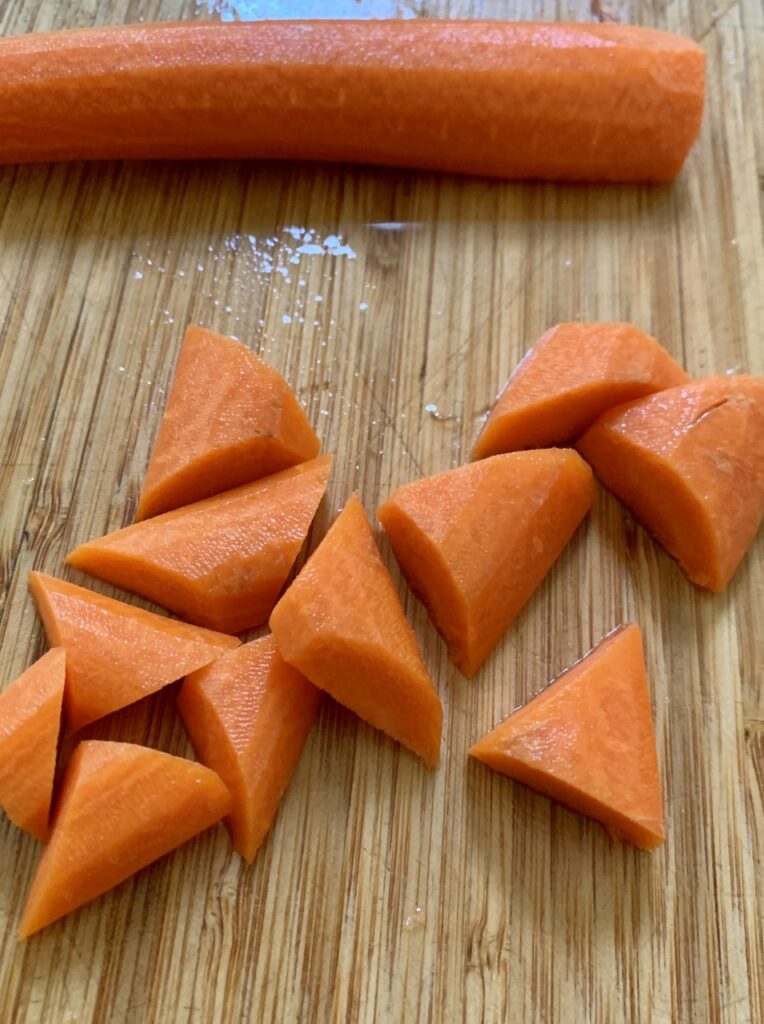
[115, 653]
[341, 624]
[121, 807]
[689, 464]
[221, 562]
[475, 542]
[230, 419]
[574, 373]
[588, 741]
[248, 715]
[30, 720]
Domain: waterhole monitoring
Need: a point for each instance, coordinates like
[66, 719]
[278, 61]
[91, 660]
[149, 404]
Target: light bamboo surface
[396, 303]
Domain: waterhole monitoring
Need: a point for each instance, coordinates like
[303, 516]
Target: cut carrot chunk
[30, 720]
[689, 463]
[573, 374]
[587, 740]
[341, 624]
[230, 419]
[571, 101]
[248, 715]
[475, 542]
[121, 807]
[115, 653]
[221, 562]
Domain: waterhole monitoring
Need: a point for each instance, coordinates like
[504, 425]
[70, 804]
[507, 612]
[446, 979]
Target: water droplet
[286, 319]
[138, 275]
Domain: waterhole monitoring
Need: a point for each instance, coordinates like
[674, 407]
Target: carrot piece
[573, 374]
[30, 719]
[248, 715]
[341, 624]
[587, 740]
[524, 100]
[475, 542]
[689, 463]
[230, 418]
[221, 562]
[121, 807]
[115, 653]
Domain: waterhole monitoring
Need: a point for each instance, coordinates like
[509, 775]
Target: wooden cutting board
[396, 304]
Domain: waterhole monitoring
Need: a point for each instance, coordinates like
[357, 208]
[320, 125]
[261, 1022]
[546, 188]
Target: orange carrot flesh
[248, 715]
[30, 720]
[588, 741]
[522, 100]
[115, 653]
[689, 463]
[571, 376]
[219, 563]
[476, 541]
[121, 808]
[230, 419]
[342, 626]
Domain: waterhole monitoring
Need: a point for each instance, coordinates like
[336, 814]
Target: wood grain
[386, 892]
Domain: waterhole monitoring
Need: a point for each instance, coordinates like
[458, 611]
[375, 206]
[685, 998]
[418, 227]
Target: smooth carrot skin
[510, 100]
[476, 541]
[588, 741]
[689, 464]
[219, 563]
[116, 653]
[573, 374]
[342, 626]
[121, 808]
[248, 715]
[230, 419]
[30, 720]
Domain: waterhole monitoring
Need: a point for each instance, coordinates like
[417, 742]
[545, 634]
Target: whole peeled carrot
[510, 100]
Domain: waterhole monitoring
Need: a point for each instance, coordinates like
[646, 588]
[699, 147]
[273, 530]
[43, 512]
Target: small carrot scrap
[689, 463]
[522, 100]
[115, 653]
[230, 419]
[588, 741]
[121, 808]
[574, 373]
[248, 715]
[30, 719]
[221, 562]
[474, 542]
[341, 624]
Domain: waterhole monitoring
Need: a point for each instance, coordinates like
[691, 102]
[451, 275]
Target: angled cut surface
[230, 419]
[574, 373]
[248, 715]
[219, 563]
[689, 464]
[121, 807]
[115, 653]
[30, 720]
[341, 624]
[474, 542]
[588, 741]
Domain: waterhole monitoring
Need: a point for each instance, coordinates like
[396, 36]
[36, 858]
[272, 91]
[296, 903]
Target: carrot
[587, 740]
[115, 653]
[248, 715]
[121, 807]
[221, 562]
[475, 542]
[573, 374]
[689, 463]
[341, 624]
[230, 418]
[30, 718]
[566, 101]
